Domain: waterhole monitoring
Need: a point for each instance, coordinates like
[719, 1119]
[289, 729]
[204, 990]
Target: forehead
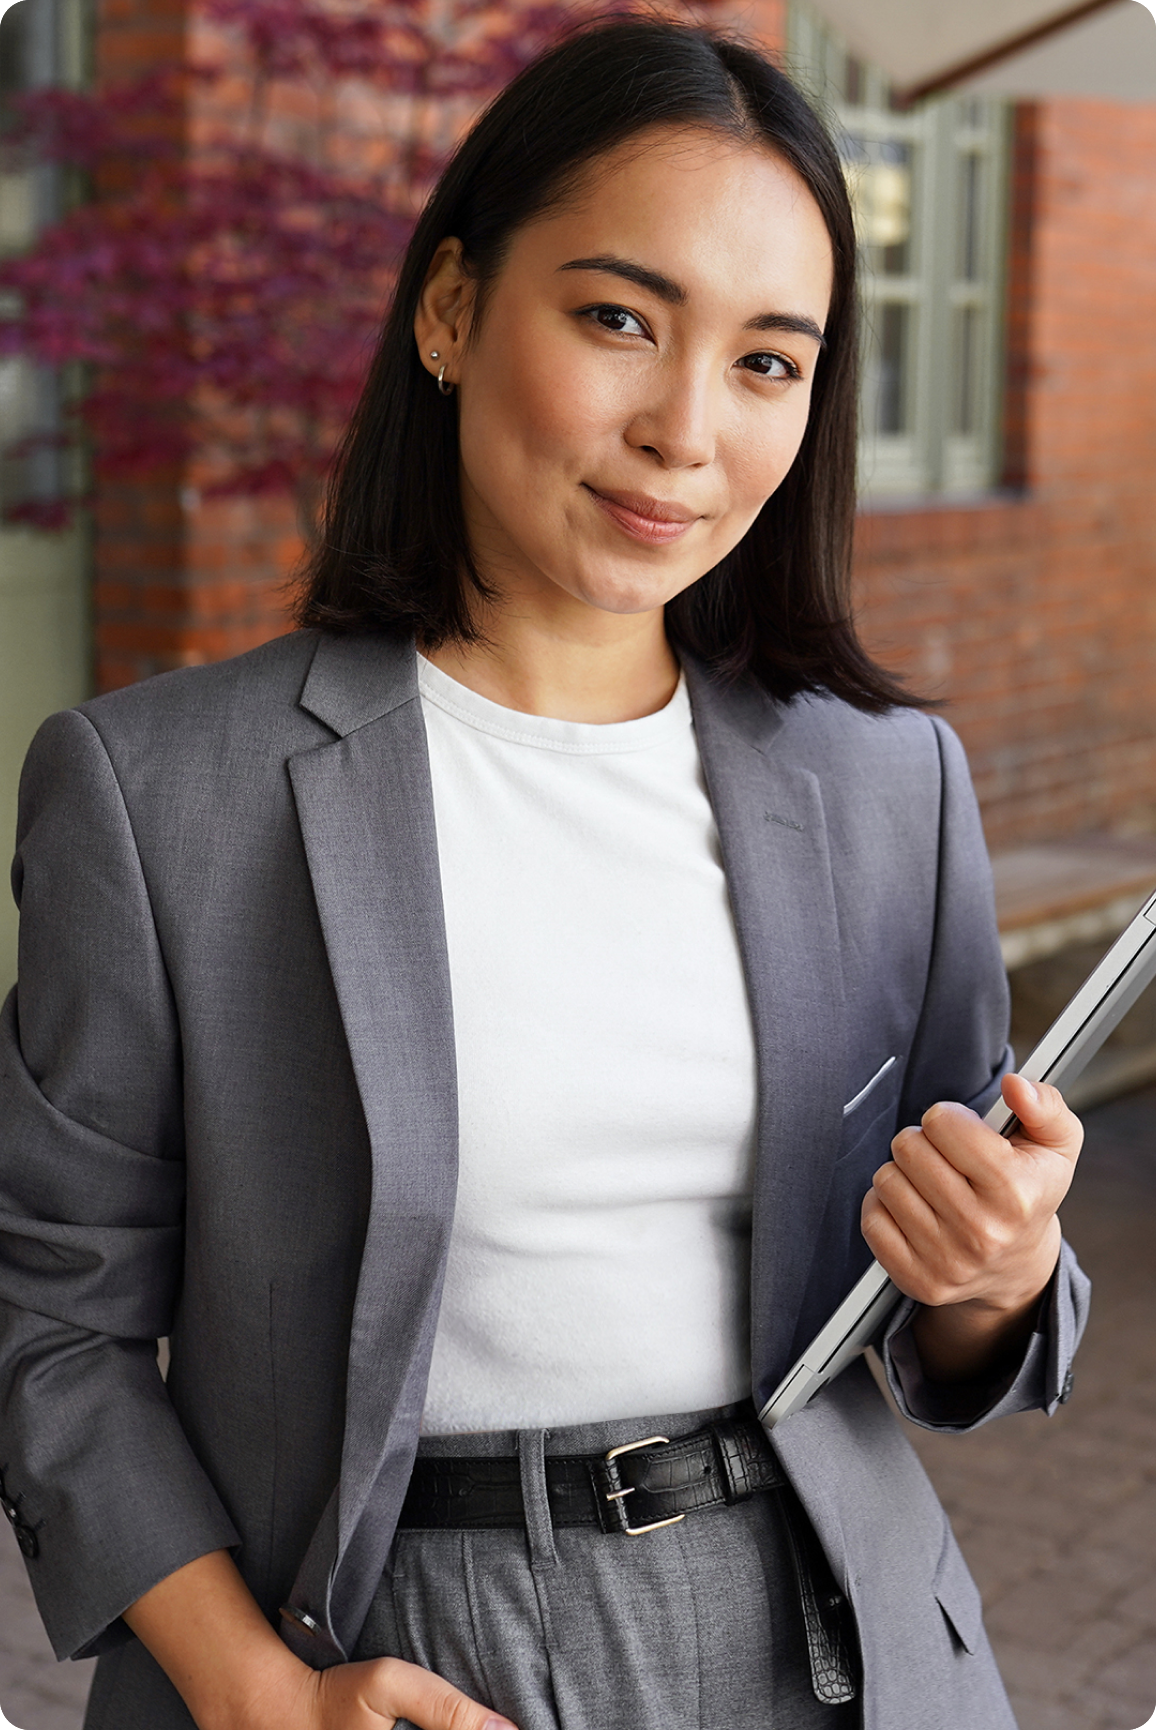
[701, 206]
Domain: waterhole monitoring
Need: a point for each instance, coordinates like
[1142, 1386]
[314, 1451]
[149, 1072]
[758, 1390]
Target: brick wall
[1034, 616]
[177, 582]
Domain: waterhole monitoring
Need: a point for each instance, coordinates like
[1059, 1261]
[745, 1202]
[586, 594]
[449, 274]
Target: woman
[701, 975]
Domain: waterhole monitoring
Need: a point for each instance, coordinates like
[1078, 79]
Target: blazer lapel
[365, 807]
[771, 825]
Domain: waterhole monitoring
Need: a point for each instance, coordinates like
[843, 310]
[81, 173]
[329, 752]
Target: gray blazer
[228, 1105]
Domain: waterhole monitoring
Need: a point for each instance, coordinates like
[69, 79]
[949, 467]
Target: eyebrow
[675, 295]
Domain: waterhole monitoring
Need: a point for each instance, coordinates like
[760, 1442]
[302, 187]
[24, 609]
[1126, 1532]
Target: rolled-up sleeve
[1040, 1380]
[99, 1480]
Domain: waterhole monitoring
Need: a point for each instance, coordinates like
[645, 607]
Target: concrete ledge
[1059, 908]
[1051, 897]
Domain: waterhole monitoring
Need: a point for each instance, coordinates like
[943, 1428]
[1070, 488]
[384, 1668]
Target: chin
[626, 594]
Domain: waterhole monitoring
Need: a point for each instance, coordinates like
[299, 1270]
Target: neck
[599, 667]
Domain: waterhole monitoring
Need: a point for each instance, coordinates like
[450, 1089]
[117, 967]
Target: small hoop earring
[446, 389]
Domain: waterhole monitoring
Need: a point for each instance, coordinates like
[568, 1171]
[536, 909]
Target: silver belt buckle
[618, 1495]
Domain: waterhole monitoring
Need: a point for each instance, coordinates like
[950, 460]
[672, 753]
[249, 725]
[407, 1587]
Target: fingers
[1048, 1135]
[431, 1703]
[962, 1213]
[944, 1158]
[940, 1261]
[373, 1696]
[908, 1239]
[1044, 1117]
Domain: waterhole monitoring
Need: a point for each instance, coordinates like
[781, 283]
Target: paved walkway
[1057, 1516]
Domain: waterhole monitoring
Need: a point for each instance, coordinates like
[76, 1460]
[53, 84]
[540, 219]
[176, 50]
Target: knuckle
[952, 1276]
[1019, 1205]
[985, 1243]
[1022, 1214]
[457, 1712]
[389, 1673]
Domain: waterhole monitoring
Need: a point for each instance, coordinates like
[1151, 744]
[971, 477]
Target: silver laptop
[1073, 1038]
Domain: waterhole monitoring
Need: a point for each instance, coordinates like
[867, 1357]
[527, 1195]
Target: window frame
[52, 48]
[932, 455]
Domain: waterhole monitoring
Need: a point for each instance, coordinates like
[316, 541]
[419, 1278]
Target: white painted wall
[45, 657]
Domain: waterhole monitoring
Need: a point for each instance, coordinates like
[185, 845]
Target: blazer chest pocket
[860, 1099]
[868, 1114]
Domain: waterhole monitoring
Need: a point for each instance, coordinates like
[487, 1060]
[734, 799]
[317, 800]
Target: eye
[614, 318]
[768, 365]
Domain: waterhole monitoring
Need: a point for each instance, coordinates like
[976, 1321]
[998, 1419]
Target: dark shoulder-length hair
[393, 553]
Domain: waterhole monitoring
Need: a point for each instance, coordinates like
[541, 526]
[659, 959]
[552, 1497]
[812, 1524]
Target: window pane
[12, 57]
[879, 174]
[965, 418]
[968, 260]
[887, 378]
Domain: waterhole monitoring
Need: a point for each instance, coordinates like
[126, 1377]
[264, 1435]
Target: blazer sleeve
[962, 1032]
[99, 1480]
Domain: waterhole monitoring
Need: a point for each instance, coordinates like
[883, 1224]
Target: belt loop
[539, 1525]
[730, 1461]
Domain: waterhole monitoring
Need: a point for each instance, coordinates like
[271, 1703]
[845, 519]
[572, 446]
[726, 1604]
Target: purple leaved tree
[219, 284]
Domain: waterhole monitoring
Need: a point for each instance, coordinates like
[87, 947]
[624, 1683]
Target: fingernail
[1032, 1089]
[498, 1724]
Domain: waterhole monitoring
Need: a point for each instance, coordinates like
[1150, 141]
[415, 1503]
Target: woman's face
[640, 381]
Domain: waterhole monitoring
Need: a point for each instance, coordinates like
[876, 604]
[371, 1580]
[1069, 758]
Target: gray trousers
[694, 1627]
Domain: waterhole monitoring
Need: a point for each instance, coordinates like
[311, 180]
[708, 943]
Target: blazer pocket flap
[958, 1596]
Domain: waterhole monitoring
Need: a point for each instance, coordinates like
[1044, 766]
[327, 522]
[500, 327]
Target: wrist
[208, 1634]
[258, 1685]
[976, 1339]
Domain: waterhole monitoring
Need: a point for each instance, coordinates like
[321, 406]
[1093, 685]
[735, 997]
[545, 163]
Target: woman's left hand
[964, 1221]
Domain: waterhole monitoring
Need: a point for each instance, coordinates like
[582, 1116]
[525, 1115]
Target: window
[42, 42]
[929, 190]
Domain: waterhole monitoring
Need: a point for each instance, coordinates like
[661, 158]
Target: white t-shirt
[599, 1261]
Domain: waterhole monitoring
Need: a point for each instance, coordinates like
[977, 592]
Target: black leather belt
[632, 1489]
[641, 1487]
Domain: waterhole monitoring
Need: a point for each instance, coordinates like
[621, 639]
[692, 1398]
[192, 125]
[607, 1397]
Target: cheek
[762, 454]
[530, 415]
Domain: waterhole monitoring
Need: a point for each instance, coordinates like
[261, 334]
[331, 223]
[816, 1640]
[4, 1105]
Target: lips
[655, 522]
[650, 510]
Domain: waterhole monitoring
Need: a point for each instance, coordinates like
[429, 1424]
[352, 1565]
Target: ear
[442, 320]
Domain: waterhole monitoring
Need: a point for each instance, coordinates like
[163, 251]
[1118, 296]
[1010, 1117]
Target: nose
[677, 423]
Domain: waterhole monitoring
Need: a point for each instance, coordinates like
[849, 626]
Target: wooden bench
[1060, 906]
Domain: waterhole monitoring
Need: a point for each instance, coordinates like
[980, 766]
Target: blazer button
[27, 1540]
[1066, 1390]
